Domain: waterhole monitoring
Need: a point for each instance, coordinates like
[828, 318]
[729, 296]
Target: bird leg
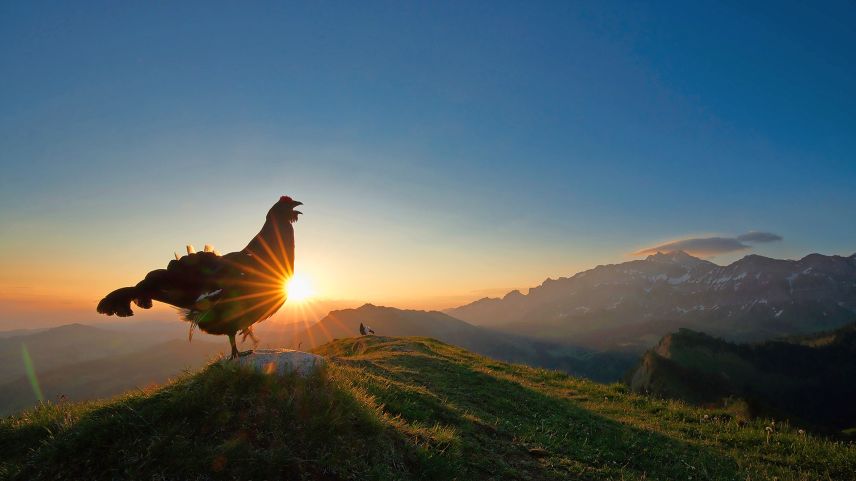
[235, 353]
[249, 332]
[234, 347]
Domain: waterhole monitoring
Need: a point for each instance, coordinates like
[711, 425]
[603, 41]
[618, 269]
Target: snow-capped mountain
[634, 303]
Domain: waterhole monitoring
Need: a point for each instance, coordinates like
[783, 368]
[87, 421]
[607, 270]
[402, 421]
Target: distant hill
[109, 375]
[67, 345]
[19, 332]
[809, 379]
[629, 306]
[388, 321]
[404, 409]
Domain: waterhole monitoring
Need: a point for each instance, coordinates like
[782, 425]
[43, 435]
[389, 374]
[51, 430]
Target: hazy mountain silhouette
[69, 344]
[20, 332]
[631, 305]
[108, 375]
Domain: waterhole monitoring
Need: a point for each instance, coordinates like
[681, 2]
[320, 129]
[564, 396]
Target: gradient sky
[443, 151]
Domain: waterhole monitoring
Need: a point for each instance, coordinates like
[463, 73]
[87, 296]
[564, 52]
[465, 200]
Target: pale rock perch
[283, 361]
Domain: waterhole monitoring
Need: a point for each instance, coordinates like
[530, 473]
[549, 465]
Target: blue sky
[441, 149]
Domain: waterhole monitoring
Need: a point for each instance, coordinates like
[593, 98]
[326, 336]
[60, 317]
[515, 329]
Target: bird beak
[298, 212]
[296, 203]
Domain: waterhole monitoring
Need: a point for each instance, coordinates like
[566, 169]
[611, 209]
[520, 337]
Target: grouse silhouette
[222, 294]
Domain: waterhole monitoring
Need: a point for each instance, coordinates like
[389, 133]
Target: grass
[405, 408]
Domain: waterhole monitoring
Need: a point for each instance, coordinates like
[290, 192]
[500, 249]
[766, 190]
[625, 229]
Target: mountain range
[630, 306]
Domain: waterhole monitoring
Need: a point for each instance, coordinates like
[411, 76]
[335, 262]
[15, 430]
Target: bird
[222, 294]
[364, 330]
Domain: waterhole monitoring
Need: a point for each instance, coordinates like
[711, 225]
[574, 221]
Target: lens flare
[30, 369]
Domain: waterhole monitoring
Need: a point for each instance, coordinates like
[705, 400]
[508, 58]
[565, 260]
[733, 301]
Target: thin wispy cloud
[711, 246]
[756, 236]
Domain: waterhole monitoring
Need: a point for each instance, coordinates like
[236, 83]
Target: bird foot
[236, 354]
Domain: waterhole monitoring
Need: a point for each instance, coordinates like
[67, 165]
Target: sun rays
[269, 282]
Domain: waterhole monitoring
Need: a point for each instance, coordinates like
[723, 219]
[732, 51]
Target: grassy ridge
[404, 408]
[808, 380]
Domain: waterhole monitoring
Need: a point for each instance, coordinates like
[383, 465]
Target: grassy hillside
[412, 408]
[808, 379]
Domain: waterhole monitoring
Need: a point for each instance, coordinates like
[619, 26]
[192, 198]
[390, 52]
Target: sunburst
[271, 282]
[299, 288]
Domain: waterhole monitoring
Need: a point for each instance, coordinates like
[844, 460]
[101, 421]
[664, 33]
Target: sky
[444, 151]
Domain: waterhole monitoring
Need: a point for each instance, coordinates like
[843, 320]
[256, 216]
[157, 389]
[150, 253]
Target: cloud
[756, 236]
[711, 246]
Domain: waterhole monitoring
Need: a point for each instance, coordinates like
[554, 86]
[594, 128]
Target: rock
[282, 361]
[538, 452]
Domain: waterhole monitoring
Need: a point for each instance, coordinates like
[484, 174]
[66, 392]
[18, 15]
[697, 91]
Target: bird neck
[274, 245]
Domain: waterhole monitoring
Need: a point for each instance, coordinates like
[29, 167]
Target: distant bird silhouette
[222, 294]
[364, 330]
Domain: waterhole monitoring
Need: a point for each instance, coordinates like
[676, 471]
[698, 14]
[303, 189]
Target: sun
[299, 288]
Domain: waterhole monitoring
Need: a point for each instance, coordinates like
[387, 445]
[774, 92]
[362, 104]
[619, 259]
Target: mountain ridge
[753, 298]
[805, 378]
[67, 344]
[108, 376]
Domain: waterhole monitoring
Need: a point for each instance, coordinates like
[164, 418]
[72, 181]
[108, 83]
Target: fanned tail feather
[119, 301]
[193, 317]
[190, 331]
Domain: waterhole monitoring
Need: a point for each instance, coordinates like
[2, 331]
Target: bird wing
[187, 280]
[240, 292]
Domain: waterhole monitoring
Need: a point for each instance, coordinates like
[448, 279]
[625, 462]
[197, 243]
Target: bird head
[283, 210]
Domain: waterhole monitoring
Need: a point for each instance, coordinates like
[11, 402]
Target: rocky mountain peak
[754, 298]
[674, 257]
[515, 294]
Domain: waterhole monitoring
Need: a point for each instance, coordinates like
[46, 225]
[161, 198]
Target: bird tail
[119, 301]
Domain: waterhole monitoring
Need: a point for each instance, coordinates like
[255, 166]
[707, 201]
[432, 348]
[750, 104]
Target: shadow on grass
[508, 430]
[224, 423]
